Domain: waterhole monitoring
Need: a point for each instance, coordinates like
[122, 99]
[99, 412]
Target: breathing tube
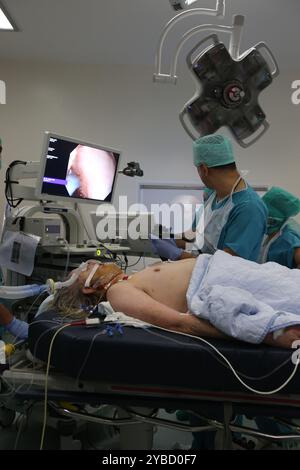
[54, 286]
[22, 292]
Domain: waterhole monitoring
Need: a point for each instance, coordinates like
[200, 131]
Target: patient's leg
[286, 340]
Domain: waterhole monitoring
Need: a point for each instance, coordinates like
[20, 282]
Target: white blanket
[244, 299]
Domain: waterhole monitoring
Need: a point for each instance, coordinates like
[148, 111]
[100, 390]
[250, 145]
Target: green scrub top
[246, 225]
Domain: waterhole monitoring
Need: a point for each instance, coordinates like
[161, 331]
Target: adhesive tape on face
[91, 275]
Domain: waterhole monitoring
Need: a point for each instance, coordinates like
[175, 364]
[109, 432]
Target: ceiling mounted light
[181, 4]
[6, 24]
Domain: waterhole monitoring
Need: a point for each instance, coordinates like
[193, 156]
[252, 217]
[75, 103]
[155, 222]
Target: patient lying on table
[211, 296]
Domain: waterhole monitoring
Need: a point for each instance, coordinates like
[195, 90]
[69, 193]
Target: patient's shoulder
[115, 289]
[112, 290]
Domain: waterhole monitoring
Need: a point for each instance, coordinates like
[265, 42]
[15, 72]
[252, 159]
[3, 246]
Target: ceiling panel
[127, 31]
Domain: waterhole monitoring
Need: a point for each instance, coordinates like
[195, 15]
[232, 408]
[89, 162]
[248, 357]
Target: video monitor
[77, 171]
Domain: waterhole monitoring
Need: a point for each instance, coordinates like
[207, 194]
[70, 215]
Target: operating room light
[5, 24]
[181, 4]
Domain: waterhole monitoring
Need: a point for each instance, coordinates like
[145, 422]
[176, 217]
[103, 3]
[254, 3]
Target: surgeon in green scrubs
[235, 220]
[282, 243]
[235, 217]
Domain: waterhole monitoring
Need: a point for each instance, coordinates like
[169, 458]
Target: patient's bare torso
[166, 282]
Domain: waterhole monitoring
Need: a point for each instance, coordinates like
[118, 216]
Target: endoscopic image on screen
[79, 171]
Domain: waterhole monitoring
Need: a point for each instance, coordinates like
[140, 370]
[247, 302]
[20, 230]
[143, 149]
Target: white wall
[120, 107]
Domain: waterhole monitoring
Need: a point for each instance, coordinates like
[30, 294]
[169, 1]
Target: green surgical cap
[213, 151]
[281, 204]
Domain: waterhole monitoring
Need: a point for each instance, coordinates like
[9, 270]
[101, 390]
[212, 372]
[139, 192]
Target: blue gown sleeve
[244, 231]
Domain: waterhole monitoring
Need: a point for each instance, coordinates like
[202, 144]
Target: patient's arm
[289, 338]
[133, 301]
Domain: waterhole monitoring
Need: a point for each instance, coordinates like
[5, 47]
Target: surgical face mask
[274, 225]
[268, 240]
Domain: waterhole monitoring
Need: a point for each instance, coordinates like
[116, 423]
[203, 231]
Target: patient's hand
[286, 340]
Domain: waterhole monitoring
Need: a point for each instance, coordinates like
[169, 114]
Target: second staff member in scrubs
[282, 244]
[235, 216]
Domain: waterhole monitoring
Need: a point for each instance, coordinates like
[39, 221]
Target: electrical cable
[132, 265]
[22, 422]
[207, 343]
[17, 338]
[68, 256]
[259, 392]
[34, 361]
[87, 356]
[241, 374]
[11, 201]
[113, 256]
[225, 363]
[46, 384]
[19, 425]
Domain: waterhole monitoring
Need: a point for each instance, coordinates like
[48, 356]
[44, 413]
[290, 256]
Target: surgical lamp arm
[236, 35]
[219, 12]
[189, 34]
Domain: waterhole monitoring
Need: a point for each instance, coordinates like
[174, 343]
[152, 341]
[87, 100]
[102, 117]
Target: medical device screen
[75, 170]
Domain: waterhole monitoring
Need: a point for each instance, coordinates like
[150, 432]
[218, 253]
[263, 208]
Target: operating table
[141, 370]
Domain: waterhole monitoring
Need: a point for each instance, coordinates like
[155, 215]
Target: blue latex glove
[167, 249]
[18, 328]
